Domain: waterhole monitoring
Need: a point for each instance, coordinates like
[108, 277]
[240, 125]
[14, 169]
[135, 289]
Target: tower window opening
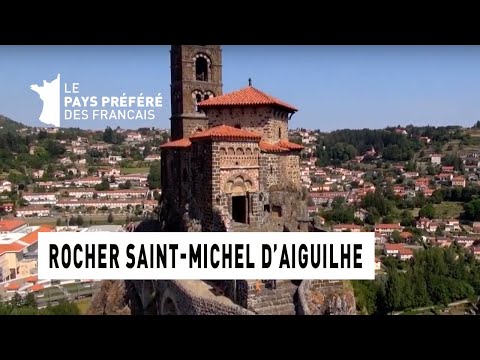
[201, 69]
[198, 98]
[279, 133]
[238, 126]
[271, 169]
[206, 97]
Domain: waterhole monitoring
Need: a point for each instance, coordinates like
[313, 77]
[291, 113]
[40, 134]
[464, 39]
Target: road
[455, 303]
[86, 218]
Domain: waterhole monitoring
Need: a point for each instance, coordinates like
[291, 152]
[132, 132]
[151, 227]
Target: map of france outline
[49, 93]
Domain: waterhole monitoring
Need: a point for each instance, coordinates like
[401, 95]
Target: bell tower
[196, 75]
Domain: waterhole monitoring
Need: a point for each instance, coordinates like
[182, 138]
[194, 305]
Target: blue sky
[334, 87]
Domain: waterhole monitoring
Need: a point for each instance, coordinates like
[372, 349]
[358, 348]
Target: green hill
[8, 124]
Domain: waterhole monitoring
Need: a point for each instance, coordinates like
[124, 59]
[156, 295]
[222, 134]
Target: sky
[334, 87]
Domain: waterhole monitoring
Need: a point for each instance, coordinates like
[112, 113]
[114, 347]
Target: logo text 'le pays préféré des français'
[72, 105]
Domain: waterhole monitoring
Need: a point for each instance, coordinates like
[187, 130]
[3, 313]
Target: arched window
[201, 69]
[206, 97]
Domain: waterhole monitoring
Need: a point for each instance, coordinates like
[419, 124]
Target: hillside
[7, 124]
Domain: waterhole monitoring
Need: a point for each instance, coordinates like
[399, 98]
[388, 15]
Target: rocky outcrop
[324, 297]
[287, 209]
[111, 299]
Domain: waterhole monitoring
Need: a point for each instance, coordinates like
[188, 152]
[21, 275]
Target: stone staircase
[279, 301]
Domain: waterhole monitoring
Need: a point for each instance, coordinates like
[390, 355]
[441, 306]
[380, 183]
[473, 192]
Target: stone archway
[238, 187]
[238, 184]
[168, 305]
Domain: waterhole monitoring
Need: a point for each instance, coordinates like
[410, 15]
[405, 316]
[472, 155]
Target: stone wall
[187, 303]
[276, 129]
[192, 125]
[289, 168]
[264, 300]
[326, 297]
[263, 120]
[269, 171]
[205, 180]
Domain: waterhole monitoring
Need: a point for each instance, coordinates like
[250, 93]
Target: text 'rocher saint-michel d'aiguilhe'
[204, 256]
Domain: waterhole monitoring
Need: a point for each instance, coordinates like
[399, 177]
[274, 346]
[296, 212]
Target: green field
[142, 170]
[447, 210]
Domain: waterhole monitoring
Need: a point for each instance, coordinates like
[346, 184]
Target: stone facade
[271, 124]
[222, 179]
[270, 170]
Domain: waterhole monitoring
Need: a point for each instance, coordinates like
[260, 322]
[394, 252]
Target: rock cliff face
[111, 299]
[287, 209]
[324, 297]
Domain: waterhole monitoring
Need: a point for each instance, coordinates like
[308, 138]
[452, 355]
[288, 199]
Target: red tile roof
[36, 287]
[10, 225]
[32, 238]
[405, 251]
[13, 247]
[32, 279]
[247, 96]
[224, 132]
[181, 143]
[12, 287]
[397, 247]
[267, 147]
[288, 145]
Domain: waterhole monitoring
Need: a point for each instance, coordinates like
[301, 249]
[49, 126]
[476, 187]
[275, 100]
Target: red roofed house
[392, 249]
[226, 150]
[387, 229]
[404, 254]
[346, 227]
[458, 181]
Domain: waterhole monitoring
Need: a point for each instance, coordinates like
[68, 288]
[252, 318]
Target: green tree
[30, 301]
[147, 150]
[472, 210]
[393, 291]
[396, 237]
[427, 211]
[16, 300]
[154, 176]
